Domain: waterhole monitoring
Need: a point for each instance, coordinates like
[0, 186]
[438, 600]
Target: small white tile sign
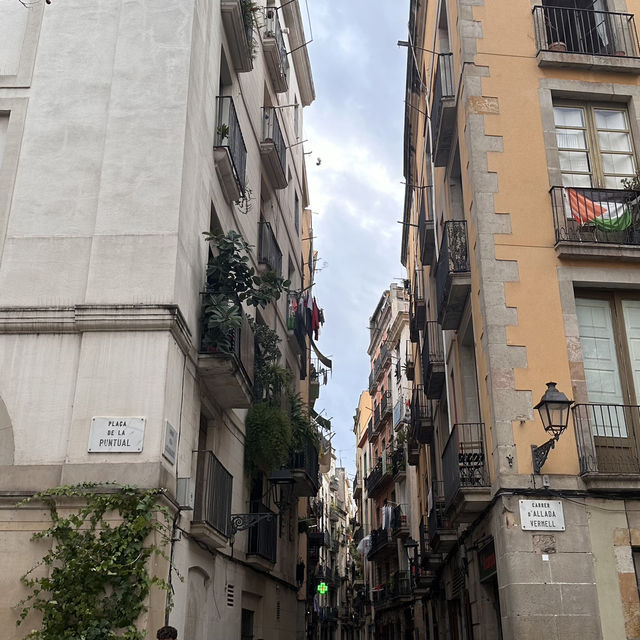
[541, 515]
[116, 435]
[170, 449]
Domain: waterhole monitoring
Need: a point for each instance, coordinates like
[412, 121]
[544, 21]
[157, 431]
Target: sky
[355, 126]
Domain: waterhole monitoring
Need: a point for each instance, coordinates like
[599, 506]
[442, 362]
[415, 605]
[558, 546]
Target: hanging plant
[267, 439]
[97, 578]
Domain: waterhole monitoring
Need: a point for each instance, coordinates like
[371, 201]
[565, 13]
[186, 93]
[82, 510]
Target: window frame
[594, 152]
[630, 394]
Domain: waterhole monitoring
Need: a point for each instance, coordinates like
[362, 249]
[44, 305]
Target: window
[594, 145]
[296, 211]
[609, 326]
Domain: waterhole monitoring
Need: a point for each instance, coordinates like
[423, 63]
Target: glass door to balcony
[610, 338]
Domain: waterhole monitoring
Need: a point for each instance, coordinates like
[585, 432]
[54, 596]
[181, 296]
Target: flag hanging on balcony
[605, 215]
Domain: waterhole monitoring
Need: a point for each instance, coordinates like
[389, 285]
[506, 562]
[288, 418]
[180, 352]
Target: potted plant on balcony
[232, 282]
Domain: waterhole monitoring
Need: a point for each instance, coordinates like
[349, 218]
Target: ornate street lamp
[282, 483]
[554, 412]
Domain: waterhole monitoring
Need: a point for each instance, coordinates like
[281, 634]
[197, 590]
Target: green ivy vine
[97, 575]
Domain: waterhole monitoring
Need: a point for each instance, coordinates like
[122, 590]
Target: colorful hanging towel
[606, 216]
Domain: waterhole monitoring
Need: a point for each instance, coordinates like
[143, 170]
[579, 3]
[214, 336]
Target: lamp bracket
[242, 521]
[541, 453]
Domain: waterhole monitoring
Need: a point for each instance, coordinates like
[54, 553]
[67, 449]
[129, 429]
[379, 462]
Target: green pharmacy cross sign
[322, 588]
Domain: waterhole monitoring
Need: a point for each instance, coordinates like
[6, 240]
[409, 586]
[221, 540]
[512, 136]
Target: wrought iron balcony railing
[398, 461]
[214, 486]
[596, 215]
[275, 50]
[433, 361]
[229, 136]
[273, 133]
[572, 30]
[421, 416]
[418, 299]
[464, 460]
[268, 250]
[304, 467]
[441, 117]
[373, 383]
[606, 436]
[263, 538]
[453, 273]
[409, 363]
[400, 517]
[379, 539]
[426, 232]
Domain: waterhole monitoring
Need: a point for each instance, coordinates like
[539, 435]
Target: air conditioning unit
[186, 493]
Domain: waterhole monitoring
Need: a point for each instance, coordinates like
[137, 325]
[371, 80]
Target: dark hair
[167, 633]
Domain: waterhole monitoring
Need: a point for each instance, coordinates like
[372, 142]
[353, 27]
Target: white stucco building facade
[113, 162]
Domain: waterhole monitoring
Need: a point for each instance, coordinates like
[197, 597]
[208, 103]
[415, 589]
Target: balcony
[304, 469]
[263, 539]
[373, 383]
[453, 274]
[398, 464]
[465, 468]
[379, 478]
[433, 372]
[315, 539]
[372, 434]
[275, 52]
[273, 149]
[607, 441]
[228, 376]
[386, 409]
[418, 300]
[443, 109]
[596, 223]
[400, 520]
[380, 363]
[399, 413]
[238, 25]
[586, 39]
[376, 419]
[211, 522]
[424, 580]
[394, 592]
[413, 452]
[334, 516]
[426, 233]
[442, 533]
[357, 487]
[382, 544]
[421, 417]
[410, 365]
[414, 331]
[269, 252]
[229, 152]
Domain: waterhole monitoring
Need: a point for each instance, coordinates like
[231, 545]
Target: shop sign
[116, 435]
[541, 515]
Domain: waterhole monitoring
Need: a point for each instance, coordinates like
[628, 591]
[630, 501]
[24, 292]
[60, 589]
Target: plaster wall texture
[12, 32]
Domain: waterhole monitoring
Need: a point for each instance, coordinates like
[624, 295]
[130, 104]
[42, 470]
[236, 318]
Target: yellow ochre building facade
[521, 241]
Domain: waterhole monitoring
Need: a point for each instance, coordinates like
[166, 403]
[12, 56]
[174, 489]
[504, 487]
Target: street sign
[541, 515]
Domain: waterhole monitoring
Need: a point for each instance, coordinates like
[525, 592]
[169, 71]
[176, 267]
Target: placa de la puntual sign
[116, 435]
[541, 515]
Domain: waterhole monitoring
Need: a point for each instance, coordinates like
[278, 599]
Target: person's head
[167, 633]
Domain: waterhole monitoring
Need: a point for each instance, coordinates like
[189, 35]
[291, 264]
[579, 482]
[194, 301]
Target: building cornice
[85, 318]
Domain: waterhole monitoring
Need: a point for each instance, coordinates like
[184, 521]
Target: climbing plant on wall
[96, 577]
